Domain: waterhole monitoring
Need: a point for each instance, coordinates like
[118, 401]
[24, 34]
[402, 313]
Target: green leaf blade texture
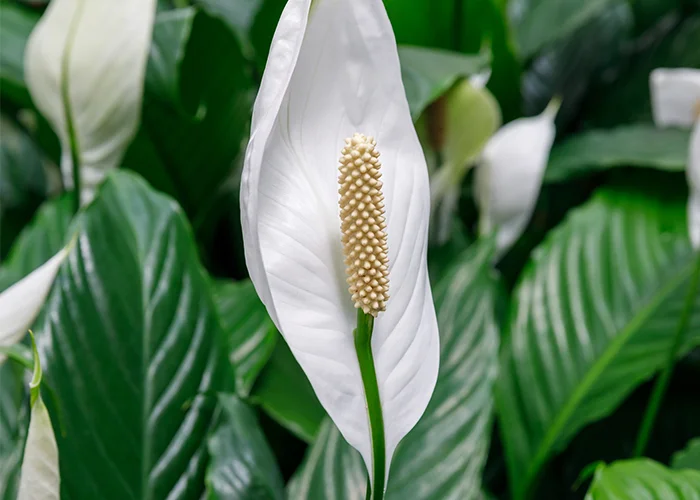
[643, 479]
[242, 466]
[131, 341]
[590, 322]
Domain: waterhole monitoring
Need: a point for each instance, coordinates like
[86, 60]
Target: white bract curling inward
[675, 99]
[333, 72]
[509, 176]
[39, 474]
[20, 304]
[85, 65]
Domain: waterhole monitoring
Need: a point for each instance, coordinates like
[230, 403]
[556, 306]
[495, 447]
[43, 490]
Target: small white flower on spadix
[333, 75]
[20, 304]
[675, 99]
[85, 65]
[509, 176]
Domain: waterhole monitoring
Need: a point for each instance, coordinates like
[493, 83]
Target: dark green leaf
[572, 68]
[131, 347]
[17, 25]
[638, 145]
[43, 238]
[627, 99]
[250, 332]
[284, 393]
[538, 23]
[239, 16]
[429, 73]
[643, 478]
[197, 105]
[242, 465]
[13, 427]
[443, 456]
[591, 320]
[689, 457]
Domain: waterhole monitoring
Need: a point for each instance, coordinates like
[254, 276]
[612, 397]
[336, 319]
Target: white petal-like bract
[693, 173]
[675, 96]
[333, 72]
[509, 177]
[85, 64]
[39, 475]
[20, 304]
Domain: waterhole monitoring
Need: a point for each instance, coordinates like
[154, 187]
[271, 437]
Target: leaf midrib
[593, 374]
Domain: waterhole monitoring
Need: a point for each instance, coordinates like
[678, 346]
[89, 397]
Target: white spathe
[509, 176]
[86, 60]
[332, 72]
[675, 99]
[675, 96]
[39, 476]
[20, 304]
[693, 174]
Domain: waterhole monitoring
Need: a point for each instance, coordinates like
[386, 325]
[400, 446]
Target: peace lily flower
[675, 99]
[470, 115]
[331, 228]
[85, 64]
[39, 476]
[20, 304]
[509, 177]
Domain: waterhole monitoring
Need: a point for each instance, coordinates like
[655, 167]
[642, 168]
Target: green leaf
[242, 464]
[591, 320]
[689, 457]
[643, 478]
[130, 344]
[627, 98]
[196, 124]
[429, 73]
[639, 145]
[284, 393]
[251, 334]
[13, 427]
[444, 455]
[43, 237]
[538, 23]
[17, 25]
[239, 16]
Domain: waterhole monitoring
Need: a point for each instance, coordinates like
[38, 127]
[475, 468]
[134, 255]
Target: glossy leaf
[131, 344]
[242, 465]
[638, 145]
[642, 478]
[443, 456]
[689, 457]
[17, 24]
[47, 233]
[250, 332]
[197, 125]
[429, 73]
[590, 322]
[538, 23]
[283, 391]
[13, 414]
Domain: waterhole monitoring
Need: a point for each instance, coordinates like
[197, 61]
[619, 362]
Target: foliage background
[166, 378]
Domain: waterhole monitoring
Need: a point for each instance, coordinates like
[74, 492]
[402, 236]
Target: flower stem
[662, 382]
[363, 348]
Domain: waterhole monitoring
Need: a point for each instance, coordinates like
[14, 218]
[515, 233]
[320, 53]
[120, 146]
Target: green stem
[67, 110]
[662, 382]
[363, 348]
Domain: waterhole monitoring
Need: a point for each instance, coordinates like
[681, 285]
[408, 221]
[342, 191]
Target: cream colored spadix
[363, 224]
[675, 99]
[85, 65]
[509, 177]
[333, 71]
[20, 304]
